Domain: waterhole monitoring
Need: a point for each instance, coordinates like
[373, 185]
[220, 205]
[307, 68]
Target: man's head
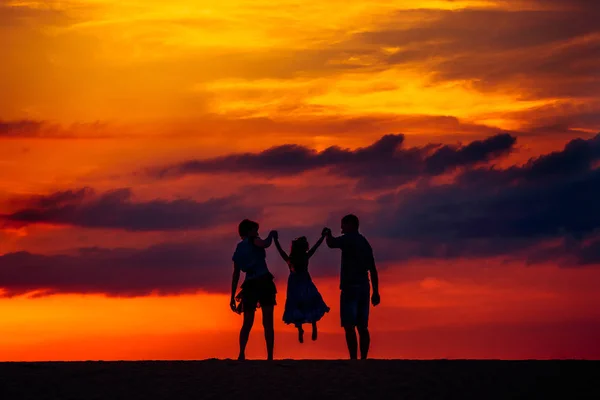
[248, 228]
[350, 223]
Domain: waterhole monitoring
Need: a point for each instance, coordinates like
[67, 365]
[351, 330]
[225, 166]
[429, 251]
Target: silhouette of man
[357, 262]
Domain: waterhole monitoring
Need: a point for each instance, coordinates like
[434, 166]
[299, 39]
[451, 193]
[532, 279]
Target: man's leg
[362, 319]
[348, 320]
[245, 332]
[267, 314]
[365, 342]
[351, 341]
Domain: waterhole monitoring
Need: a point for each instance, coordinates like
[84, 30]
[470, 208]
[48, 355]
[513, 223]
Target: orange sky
[99, 93]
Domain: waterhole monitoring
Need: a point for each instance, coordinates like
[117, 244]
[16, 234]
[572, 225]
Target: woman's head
[299, 245]
[248, 228]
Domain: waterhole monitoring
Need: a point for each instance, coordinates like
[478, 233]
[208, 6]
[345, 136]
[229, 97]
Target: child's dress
[304, 303]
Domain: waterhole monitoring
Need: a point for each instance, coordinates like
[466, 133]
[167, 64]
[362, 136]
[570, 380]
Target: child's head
[350, 223]
[248, 228]
[299, 245]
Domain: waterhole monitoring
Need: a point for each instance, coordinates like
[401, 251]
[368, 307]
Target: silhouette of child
[304, 303]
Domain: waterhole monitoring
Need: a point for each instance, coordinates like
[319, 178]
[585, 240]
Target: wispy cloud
[116, 210]
[385, 160]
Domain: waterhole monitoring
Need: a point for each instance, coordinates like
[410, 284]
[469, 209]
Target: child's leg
[300, 333]
[314, 331]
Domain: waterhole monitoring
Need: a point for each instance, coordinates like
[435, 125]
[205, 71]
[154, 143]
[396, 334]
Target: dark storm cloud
[22, 128]
[116, 210]
[166, 268]
[169, 268]
[570, 252]
[588, 254]
[385, 160]
[491, 212]
[545, 210]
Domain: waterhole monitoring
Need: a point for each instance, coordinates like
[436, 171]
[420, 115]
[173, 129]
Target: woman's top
[250, 259]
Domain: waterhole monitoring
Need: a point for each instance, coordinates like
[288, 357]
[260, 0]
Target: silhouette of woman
[258, 288]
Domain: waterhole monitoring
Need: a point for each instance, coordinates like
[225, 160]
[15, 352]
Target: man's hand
[232, 305]
[375, 299]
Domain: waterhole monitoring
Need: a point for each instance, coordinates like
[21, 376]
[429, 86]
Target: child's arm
[282, 253]
[312, 251]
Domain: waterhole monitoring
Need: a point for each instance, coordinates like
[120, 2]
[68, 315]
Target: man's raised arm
[332, 241]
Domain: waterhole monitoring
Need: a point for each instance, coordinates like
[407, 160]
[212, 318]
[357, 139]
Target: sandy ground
[308, 380]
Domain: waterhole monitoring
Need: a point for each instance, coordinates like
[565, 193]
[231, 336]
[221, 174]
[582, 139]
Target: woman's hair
[246, 226]
[299, 247]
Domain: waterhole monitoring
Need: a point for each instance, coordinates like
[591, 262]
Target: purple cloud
[383, 161]
[116, 210]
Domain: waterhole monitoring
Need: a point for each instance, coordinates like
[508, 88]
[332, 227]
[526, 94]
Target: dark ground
[307, 380]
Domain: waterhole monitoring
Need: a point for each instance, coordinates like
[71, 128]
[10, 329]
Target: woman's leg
[267, 314]
[245, 332]
[314, 331]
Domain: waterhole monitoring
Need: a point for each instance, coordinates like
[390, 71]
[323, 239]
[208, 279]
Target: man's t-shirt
[357, 259]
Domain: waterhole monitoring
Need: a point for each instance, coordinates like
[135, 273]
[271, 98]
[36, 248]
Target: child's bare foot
[314, 331]
[300, 334]
[241, 357]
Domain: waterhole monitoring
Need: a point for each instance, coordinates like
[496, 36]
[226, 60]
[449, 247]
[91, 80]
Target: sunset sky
[136, 134]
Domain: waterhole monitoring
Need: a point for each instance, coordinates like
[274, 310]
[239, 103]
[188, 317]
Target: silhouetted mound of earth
[306, 380]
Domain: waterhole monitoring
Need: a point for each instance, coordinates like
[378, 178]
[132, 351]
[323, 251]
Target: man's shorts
[355, 302]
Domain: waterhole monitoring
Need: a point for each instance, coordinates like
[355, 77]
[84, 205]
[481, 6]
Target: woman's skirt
[257, 292]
